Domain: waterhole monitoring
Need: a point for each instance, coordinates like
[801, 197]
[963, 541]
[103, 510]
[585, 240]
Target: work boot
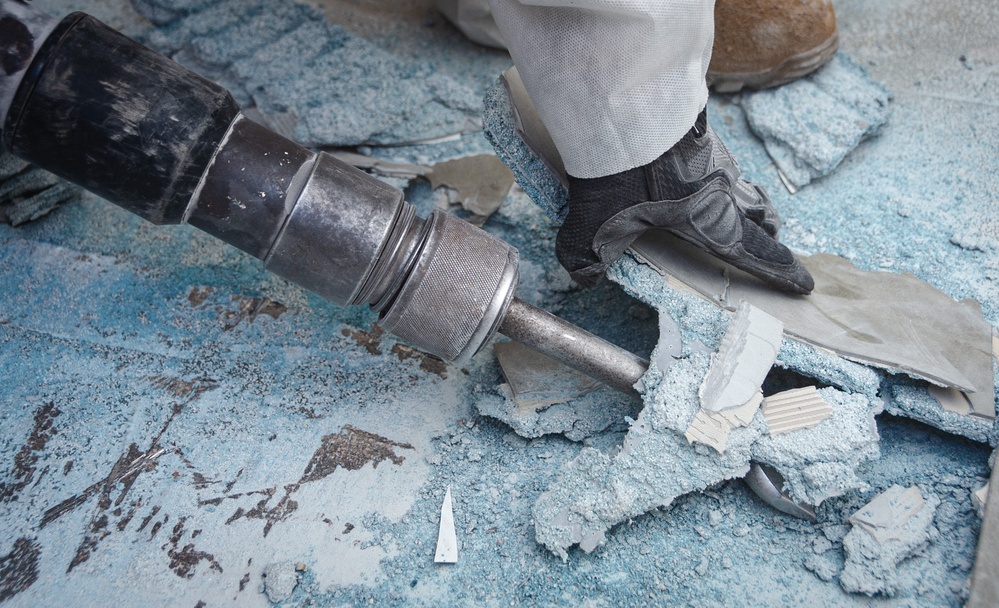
[765, 43]
[693, 191]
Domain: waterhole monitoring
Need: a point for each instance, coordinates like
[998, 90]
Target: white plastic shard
[884, 518]
[800, 408]
[447, 540]
[746, 353]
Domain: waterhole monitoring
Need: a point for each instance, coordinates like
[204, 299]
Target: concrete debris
[821, 462]
[979, 499]
[28, 193]
[890, 318]
[795, 409]
[280, 580]
[542, 396]
[248, 46]
[894, 526]
[744, 357]
[447, 540]
[597, 490]
[810, 125]
[479, 183]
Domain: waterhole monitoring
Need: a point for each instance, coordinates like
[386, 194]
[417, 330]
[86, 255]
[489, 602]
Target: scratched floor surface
[175, 422]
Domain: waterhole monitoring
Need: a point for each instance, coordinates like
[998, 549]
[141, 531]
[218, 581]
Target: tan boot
[765, 43]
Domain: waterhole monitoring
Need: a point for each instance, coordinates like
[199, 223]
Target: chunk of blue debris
[335, 96]
[810, 125]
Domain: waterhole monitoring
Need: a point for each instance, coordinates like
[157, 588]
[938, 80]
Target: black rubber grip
[117, 118]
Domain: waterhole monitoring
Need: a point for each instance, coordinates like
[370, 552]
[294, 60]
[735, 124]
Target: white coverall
[617, 82]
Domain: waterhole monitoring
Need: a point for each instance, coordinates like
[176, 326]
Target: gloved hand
[693, 191]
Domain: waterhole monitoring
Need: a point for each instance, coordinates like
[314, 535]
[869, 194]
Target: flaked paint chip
[710, 429]
[713, 428]
[800, 408]
[746, 354]
[885, 517]
[447, 540]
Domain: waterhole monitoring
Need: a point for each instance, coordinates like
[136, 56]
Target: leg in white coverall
[620, 85]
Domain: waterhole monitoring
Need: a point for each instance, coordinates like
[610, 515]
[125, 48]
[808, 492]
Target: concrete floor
[175, 421]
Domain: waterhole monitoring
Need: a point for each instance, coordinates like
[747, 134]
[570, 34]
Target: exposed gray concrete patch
[893, 527]
[576, 418]
[811, 124]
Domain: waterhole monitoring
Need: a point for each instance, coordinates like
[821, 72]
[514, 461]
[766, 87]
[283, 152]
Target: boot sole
[791, 68]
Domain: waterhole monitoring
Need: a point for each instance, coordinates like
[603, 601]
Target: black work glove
[692, 191]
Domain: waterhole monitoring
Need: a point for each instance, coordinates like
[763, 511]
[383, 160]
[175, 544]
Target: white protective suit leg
[617, 82]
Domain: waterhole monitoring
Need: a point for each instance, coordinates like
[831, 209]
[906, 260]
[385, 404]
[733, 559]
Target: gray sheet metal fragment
[381, 166]
[767, 484]
[481, 182]
[536, 380]
[892, 321]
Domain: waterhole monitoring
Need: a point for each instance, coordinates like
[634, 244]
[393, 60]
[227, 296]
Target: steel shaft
[573, 346]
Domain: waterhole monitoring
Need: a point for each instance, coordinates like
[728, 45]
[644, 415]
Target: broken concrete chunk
[894, 526]
[810, 125]
[822, 461]
[480, 182]
[28, 192]
[745, 355]
[595, 491]
[800, 408]
[447, 540]
[280, 580]
[885, 517]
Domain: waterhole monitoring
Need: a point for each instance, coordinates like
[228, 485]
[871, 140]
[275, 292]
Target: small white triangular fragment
[447, 540]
